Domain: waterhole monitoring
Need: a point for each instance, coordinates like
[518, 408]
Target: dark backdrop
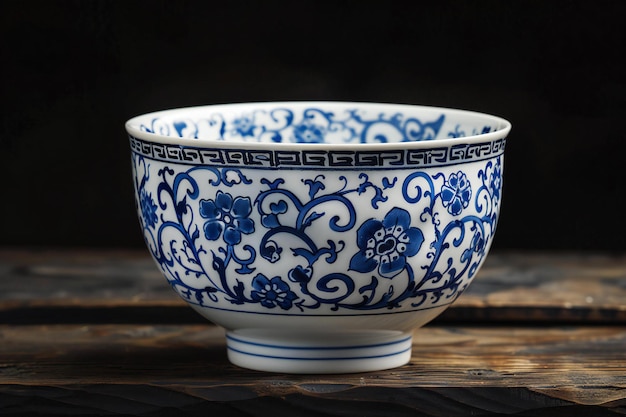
[74, 71]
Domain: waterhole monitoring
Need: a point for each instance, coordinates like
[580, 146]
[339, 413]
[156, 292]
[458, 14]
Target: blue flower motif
[148, 209]
[244, 125]
[495, 182]
[228, 215]
[386, 245]
[307, 132]
[456, 193]
[272, 293]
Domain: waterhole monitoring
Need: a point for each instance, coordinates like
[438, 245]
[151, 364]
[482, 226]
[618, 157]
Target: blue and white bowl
[318, 234]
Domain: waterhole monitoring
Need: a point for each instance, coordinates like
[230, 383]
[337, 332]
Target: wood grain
[584, 366]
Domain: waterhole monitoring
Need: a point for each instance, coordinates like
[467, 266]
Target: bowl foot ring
[318, 353]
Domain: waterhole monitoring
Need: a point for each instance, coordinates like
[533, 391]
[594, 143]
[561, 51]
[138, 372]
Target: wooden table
[101, 333]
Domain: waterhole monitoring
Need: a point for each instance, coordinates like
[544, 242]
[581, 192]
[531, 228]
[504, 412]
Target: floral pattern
[386, 244]
[456, 193]
[228, 215]
[495, 181]
[308, 133]
[148, 209]
[350, 125]
[371, 232]
[272, 292]
[422, 245]
[244, 125]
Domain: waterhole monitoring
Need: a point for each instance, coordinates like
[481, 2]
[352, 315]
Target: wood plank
[561, 366]
[48, 286]
[151, 400]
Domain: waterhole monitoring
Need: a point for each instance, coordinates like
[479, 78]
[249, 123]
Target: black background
[73, 72]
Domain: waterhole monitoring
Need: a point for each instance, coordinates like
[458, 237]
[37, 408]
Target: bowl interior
[315, 122]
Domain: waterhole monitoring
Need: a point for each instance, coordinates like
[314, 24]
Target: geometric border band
[318, 158]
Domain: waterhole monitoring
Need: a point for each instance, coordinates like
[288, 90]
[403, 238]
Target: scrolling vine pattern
[210, 246]
[311, 125]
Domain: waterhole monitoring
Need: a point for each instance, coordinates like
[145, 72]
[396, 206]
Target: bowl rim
[502, 131]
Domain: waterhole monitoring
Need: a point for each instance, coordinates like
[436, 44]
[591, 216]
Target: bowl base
[318, 352]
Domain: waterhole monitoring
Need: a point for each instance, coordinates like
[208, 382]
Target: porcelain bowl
[318, 234]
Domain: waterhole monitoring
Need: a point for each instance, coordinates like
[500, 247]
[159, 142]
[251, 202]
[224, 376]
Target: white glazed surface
[318, 234]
